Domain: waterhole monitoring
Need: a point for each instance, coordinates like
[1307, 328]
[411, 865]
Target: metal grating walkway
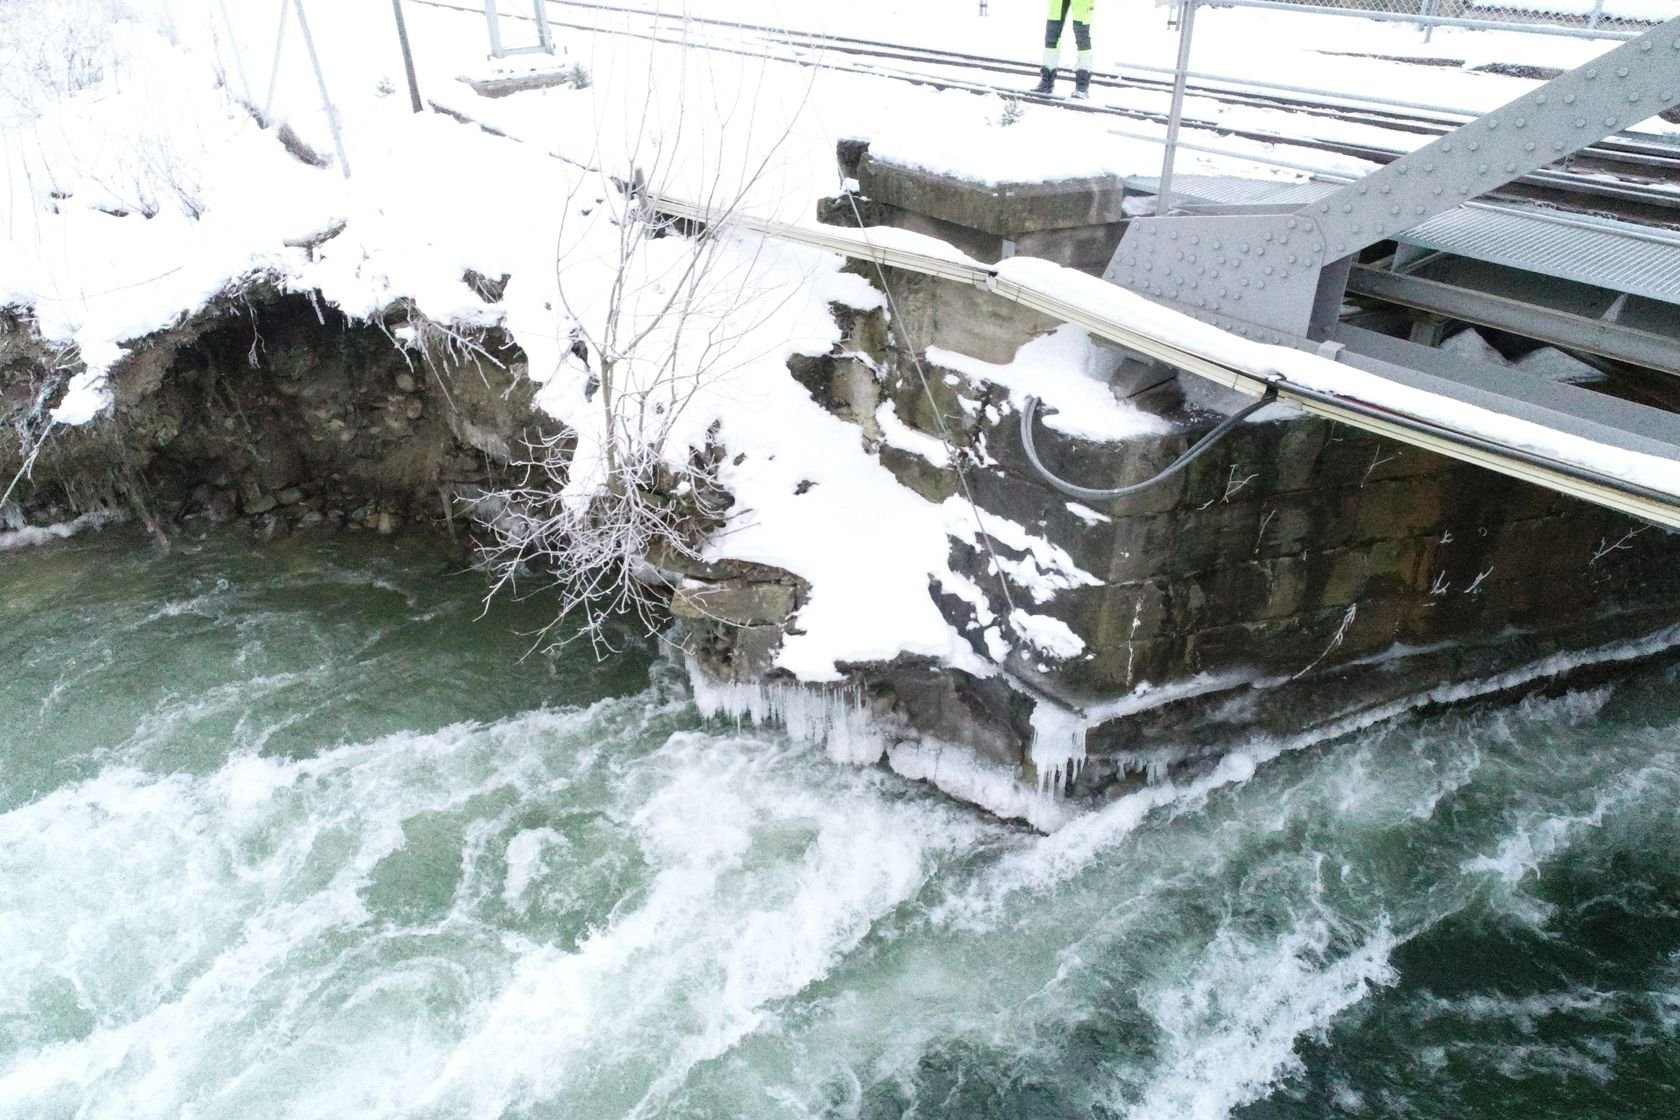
[1605, 254]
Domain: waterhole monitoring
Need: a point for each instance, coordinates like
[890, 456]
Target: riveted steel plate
[1255, 269]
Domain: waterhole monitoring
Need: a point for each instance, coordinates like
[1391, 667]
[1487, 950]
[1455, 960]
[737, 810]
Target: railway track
[1624, 177]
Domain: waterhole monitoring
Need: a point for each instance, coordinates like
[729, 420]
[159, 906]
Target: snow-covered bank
[147, 183]
[149, 170]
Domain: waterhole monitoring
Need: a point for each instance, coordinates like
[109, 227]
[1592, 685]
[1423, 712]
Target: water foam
[770, 930]
[1230, 1028]
[214, 928]
[31, 536]
[759, 881]
[526, 865]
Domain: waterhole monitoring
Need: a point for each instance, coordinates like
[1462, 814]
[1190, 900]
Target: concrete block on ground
[1006, 210]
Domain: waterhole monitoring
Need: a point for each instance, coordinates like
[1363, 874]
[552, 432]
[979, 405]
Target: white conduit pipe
[1661, 508]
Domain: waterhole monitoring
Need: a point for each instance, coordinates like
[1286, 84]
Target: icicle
[1153, 765]
[958, 771]
[835, 717]
[1058, 744]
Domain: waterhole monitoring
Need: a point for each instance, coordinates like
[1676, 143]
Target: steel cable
[1029, 415]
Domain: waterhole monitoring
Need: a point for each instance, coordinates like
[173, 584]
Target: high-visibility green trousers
[1080, 10]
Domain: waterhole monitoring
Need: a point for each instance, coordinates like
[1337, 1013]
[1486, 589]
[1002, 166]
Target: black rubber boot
[1082, 84]
[1046, 82]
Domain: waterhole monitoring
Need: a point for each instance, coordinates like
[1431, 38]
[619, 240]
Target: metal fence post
[1186, 28]
[1597, 14]
[238, 57]
[408, 56]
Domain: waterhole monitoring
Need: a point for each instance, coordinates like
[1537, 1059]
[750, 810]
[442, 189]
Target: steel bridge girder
[1266, 276]
[1575, 110]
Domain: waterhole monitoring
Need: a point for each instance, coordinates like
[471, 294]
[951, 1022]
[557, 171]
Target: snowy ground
[139, 183]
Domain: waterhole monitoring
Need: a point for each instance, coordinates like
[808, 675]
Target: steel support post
[545, 37]
[1186, 28]
[492, 18]
[321, 81]
[408, 56]
[274, 73]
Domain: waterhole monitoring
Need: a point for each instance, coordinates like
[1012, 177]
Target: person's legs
[1059, 10]
[1082, 38]
[1053, 43]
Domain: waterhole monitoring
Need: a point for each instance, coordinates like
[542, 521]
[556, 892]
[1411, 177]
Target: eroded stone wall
[1300, 573]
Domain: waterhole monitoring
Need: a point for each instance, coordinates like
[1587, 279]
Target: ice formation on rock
[1058, 744]
[835, 716]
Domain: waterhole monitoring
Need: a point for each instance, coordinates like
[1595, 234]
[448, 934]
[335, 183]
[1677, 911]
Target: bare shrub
[660, 317]
[33, 382]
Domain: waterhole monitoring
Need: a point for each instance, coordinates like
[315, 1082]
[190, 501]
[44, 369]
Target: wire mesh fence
[1604, 19]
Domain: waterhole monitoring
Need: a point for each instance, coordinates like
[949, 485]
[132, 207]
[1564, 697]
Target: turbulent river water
[294, 832]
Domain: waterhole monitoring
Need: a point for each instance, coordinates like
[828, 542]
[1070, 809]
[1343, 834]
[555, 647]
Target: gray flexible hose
[1029, 415]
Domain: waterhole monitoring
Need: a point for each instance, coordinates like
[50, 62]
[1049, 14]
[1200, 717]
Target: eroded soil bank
[271, 407]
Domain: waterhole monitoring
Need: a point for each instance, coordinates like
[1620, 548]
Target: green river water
[294, 832]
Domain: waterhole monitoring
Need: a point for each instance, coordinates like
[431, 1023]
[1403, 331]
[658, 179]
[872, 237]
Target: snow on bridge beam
[1643, 485]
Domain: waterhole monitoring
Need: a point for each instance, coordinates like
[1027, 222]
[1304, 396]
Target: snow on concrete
[1068, 371]
[1049, 636]
[1088, 515]
[905, 438]
[971, 145]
